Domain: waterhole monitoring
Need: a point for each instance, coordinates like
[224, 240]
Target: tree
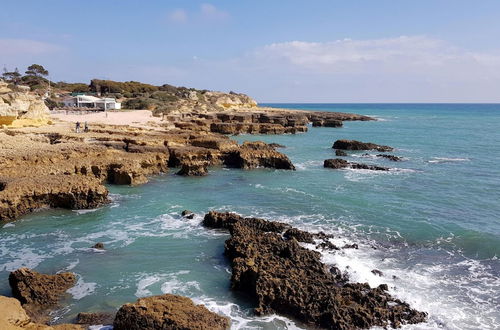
[37, 70]
[12, 76]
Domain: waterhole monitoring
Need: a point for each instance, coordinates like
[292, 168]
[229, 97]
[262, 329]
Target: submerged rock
[187, 214]
[167, 312]
[338, 163]
[340, 153]
[99, 246]
[39, 292]
[286, 278]
[357, 145]
[95, 318]
[391, 157]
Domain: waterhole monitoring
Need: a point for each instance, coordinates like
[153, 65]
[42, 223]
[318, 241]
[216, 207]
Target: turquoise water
[431, 224]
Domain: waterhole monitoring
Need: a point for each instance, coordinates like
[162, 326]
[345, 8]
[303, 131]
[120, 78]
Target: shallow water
[431, 224]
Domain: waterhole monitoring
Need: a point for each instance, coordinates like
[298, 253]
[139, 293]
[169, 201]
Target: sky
[275, 51]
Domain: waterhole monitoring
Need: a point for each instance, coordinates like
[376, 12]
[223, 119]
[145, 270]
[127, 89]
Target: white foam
[72, 264]
[85, 211]
[82, 289]
[447, 160]
[145, 282]
[9, 225]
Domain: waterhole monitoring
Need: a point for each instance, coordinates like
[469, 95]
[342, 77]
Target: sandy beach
[136, 118]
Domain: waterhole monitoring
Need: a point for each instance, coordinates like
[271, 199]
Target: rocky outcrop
[21, 108]
[39, 292]
[194, 168]
[357, 145]
[19, 196]
[167, 312]
[338, 163]
[285, 278]
[258, 154]
[340, 153]
[14, 317]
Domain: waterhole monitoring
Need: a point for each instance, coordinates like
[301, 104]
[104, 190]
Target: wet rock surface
[39, 292]
[358, 145]
[167, 312]
[338, 163]
[285, 278]
[95, 318]
[391, 157]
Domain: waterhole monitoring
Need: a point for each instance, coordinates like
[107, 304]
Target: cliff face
[21, 108]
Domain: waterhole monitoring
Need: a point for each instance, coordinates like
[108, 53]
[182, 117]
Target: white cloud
[211, 12]
[14, 47]
[178, 16]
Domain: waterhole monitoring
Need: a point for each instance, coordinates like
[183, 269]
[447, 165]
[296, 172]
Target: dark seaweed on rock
[286, 278]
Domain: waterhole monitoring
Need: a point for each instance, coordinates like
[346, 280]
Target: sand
[137, 118]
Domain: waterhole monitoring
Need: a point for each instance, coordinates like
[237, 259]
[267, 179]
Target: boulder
[187, 214]
[39, 292]
[167, 312]
[98, 246]
[357, 145]
[283, 277]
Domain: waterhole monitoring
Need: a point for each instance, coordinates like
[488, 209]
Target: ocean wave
[447, 160]
[82, 289]
[309, 164]
[283, 189]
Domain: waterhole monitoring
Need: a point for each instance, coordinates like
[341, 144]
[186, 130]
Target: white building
[88, 101]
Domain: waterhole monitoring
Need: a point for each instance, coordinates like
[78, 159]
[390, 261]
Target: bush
[110, 86]
[51, 104]
[141, 103]
[164, 97]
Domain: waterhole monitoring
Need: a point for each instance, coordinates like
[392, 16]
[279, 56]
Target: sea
[431, 224]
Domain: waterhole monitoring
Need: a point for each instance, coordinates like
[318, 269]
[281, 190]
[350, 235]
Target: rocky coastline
[53, 166]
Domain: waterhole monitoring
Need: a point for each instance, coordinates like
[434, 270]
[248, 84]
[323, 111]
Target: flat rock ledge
[167, 312]
[39, 292]
[285, 278]
[358, 145]
[338, 163]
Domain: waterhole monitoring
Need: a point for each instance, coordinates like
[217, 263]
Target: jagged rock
[340, 153]
[39, 292]
[377, 272]
[357, 145]
[187, 214]
[95, 318]
[299, 235]
[14, 317]
[351, 246]
[338, 163]
[327, 245]
[99, 246]
[167, 312]
[287, 279]
[327, 123]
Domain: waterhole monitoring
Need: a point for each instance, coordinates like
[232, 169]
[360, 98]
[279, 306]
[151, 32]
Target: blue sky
[275, 51]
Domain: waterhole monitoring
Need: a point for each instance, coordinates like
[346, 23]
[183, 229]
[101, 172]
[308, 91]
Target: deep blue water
[431, 224]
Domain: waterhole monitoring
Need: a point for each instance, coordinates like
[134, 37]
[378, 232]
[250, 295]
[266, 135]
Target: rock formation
[391, 157]
[95, 318]
[167, 312]
[284, 277]
[14, 317]
[39, 292]
[338, 163]
[357, 145]
[21, 108]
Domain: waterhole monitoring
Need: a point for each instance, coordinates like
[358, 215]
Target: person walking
[77, 127]
[86, 127]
